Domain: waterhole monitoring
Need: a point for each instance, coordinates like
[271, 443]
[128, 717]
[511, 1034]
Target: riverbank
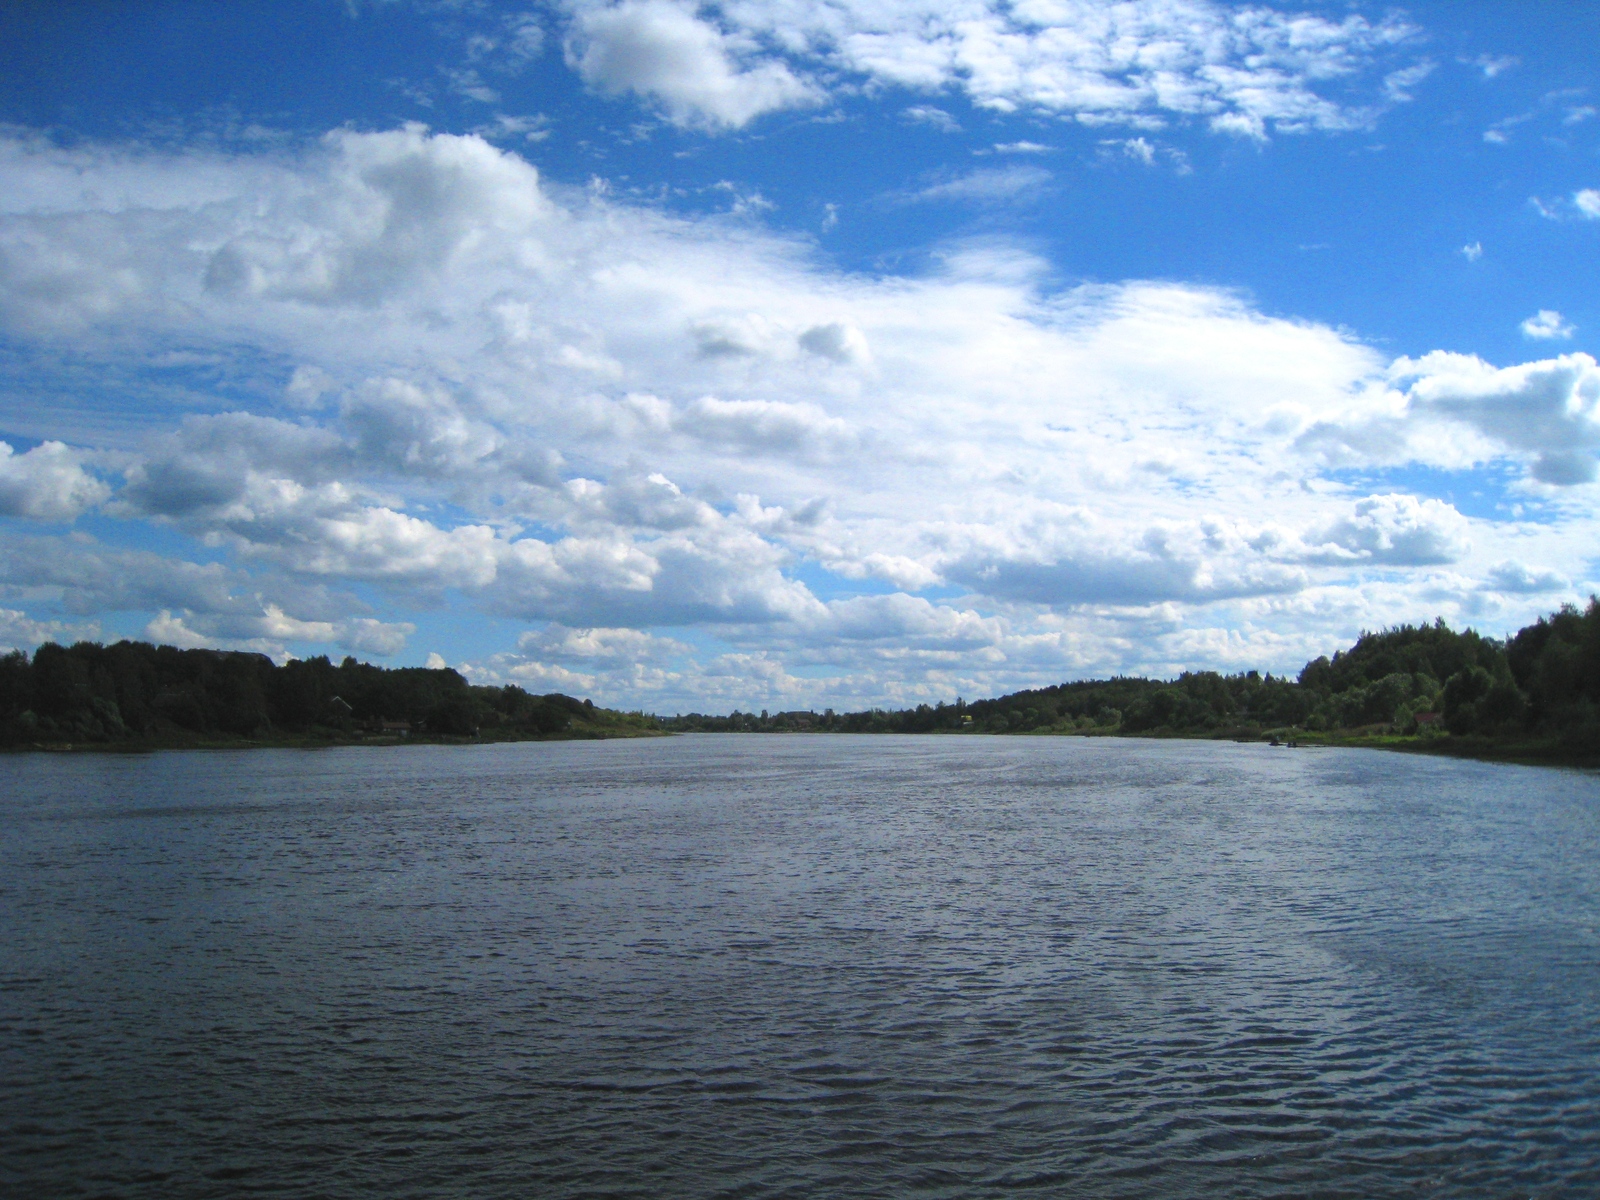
[1548, 752]
[316, 741]
[1524, 751]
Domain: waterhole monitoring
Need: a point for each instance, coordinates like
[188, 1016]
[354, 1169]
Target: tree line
[1540, 686]
[133, 692]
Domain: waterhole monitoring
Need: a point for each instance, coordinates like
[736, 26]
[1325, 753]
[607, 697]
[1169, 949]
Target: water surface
[798, 966]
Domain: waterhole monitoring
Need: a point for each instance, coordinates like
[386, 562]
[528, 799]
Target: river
[806, 966]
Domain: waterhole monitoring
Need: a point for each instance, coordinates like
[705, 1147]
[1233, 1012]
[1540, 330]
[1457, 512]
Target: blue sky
[788, 353]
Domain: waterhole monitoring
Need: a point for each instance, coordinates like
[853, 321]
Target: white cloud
[208, 464]
[1514, 577]
[366, 635]
[1152, 571]
[469, 84]
[416, 431]
[1493, 65]
[1396, 530]
[307, 386]
[164, 629]
[1137, 148]
[841, 343]
[1139, 62]
[993, 186]
[218, 605]
[569, 409]
[509, 46]
[1398, 85]
[415, 205]
[1548, 409]
[928, 114]
[270, 631]
[200, 605]
[662, 50]
[1472, 251]
[1545, 325]
[1499, 133]
[18, 631]
[86, 577]
[326, 532]
[1143, 150]
[788, 429]
[1587, 202]
[557, 643]
[48, 483]
[527, 128]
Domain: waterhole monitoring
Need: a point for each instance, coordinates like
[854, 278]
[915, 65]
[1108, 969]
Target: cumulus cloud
[1116, 579]
[86, 577]
[928, 114]
[270, 631]
[1516, 578]
[1545, 325]
[904, 624]
[307, 386]
[1141, 62]
[413, 430]
[569, 409]
[872, 639]
[208, 604]
[208, 463]
[1137, 148]
[768, 425]
[1071, 559]
[19, 631]
[840, 343]
[1549, 409]
[1394, 530]
[557, 643]
[1587, 202]
[48, 483]
[1456, 411]
[663, 51]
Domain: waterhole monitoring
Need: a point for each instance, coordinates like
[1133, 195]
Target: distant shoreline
[1511, 753]
[310, 742]
[1426, 689]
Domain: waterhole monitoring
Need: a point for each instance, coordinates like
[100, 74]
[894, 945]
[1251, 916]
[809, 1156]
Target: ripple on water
[798, 967]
